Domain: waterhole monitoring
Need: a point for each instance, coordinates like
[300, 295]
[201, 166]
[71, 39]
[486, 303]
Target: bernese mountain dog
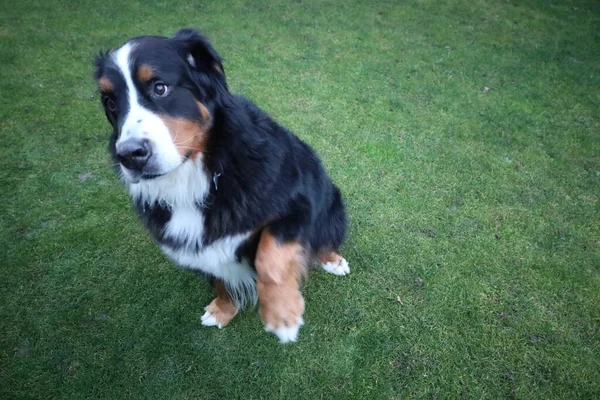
[222, 187]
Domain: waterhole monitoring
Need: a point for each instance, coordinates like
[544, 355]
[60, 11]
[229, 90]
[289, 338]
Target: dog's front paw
[281, 311]
[288, 333]
[210, 320]
[218, 313]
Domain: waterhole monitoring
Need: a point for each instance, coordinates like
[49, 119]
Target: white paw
[337, 268]
[209, 320]
[288, 333]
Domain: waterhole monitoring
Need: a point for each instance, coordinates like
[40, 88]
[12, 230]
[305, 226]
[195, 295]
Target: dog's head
[160, 95]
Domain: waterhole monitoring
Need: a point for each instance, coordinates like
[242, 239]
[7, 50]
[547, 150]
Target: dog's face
[159, 94]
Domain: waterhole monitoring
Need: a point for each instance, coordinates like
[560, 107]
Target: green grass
[478, 209]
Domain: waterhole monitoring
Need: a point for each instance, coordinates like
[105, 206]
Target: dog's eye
[160, 89]
[110, 104]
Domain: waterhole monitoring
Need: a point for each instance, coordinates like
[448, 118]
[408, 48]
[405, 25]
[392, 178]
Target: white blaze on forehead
[141, 123]
[122, 57]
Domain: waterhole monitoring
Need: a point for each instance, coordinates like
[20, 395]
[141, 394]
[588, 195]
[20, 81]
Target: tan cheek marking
[222, 307]
[145, 73]
[105, 85]
[189, 137]
[280, 268]
[219, 70]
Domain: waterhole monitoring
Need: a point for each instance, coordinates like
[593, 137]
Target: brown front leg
[280, 267]
[221, 310]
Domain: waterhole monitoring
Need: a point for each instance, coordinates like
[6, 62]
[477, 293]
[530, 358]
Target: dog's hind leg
[221, 310]
[328, 233]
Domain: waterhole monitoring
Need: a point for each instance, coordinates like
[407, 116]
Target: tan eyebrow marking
[106, 84]
[146, 73]
[204, 111]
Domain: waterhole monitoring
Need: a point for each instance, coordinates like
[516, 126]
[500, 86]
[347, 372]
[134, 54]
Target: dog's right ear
[199, 52]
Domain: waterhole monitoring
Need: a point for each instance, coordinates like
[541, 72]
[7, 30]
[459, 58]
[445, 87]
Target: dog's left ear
[99, 63]
[199, 52]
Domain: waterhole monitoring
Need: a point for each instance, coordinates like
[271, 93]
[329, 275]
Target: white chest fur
[186, 226]
[183, 191]
[217, 259]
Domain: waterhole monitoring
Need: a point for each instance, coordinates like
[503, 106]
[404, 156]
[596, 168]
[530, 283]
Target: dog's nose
[134, 153]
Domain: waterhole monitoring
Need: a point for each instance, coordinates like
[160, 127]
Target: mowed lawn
[465, 136]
